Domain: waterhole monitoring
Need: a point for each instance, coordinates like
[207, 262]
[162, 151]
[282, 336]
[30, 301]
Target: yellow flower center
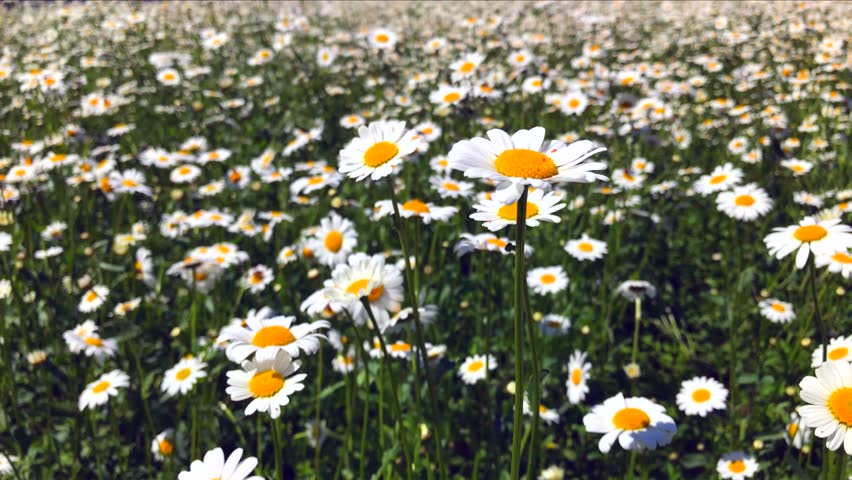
[841, 257]
[94, 341]
[476, 366]
[380, 153]
[510, 212]
[840, 405]
[525, 163]
[100, 387]
[792, 429]
[574, 103]
[737, 466]
[451, 186]
[701, 395]
[415, 205]
[273, 335]
[585, 247]
[496, 241]
[718, 179]
[452, 97]
[798, 168]
[576, 376]
[266, 384]
[356, 287]
[838, 353]
[400, 347]
[382, 38]
[333, 241]
[630, 418]
[779, 307]
[166, 447]
[183, 373]
[548, 278]
[91, 296]
[810, 233]
[744, 200]
[467, 67]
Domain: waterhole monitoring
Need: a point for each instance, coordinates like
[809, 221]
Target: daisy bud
[790, 391]
[806, 342]
[197, 106]
[428, 270]
[21, 255]
[806, 449]
[773, 341]
[673, 456]
[632, 371]
[336, 202]
[585, 330]
[424, 431]
[716, 256]
[840, 291]
[313, 273]
[256, 186]
[332, 192]
[37, 356]
[276, 287]
[175, 332]
[700, 447]
[510, 388]
[30, 297]
[88, 251]
[764, 293]
[84, 236]
[176, 194]
[537, 316]
[757, 444]
[464, 305]
[84, 282]
[5, 218]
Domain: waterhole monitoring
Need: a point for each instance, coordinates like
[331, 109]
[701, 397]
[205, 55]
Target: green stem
[631, 466]
[411, 291]
[532, 456]
[276, 444]
[394, 384]
[518, 324]
[638, 316]
[820, 325]
[317, 427]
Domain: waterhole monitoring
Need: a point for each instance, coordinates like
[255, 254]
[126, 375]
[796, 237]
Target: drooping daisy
[214, 466]
[548, 415]
[525, 158]
[53, 231]
[736, 466]
[544, 280]
[123, 308]
[555, 324]
[632, 289]
[578, 377]
[476, 367]
[721, 178]
[268, 381]
[257, 278]
[701, 395]
[364, 275]
[586, 248]
[163, 445]
[746, 202]
[839, 348]
[379, 147]
[93, 299]
[98, 392]
[829, 409]
[777, 311]
[334, 240]
[183, 376]
[541, 207]
[820, 237]
[637, 423]
[796, 433]
[266, 335]
[837, 262]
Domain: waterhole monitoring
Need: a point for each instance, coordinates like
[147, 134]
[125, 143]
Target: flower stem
[532, 456]
[418, 329]
[394, 385]
[631, 466]
[820, 325]
[519, 341]
[638, 316]
[317, 415]
[276, 444]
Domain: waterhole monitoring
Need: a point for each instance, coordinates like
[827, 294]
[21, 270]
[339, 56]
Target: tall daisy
[820, 237]
[476, 367]
[637, 423]
[93, 299]
[839, 348]
[379, 147]
[578, 377]
[525, 158]
[701, 395]
[183, 376]
[266, 336]
[334, 240]
[744, 203]
[366, 276]
[829, 409]
[541, 207]
[163, 445]
[98, 392]
[215, 466]
[268, 381]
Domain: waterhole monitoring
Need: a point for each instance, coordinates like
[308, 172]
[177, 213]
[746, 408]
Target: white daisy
[745, 202]
[268, 381]
[364, 275]
[497, 215]
[637, 423]
[796, 433]
[544, 280]
[701, 395]
[578, 377]
[93, 299]
[257, 278]
[334, 240]
[214, 466]
[98, 392]
[476, 367]
[777, 311]
[837, 262]
[839, 348]
[721, 178]
[829, 409]
[183, 376]
[265, 335]
[736, 466]
[586, 248]
[820, 237]
[379, 147]
[163, 445]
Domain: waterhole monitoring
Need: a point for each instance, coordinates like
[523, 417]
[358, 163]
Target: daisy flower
[268, 381]
[383, 39]
[525, 158]
[123, 308]
[544, 280]
[548, 415]
[184, 174]
[364, 275]
[428, 212]
[798, 167]
[343, 363]
[265, 335]
[447, 95]
[168, 77]
[746, 202]
[721, 178]
[829, 409]
[257, 278]
[837, 262]
[93, 299]
[820, 237]
[379, 147]
[215, 466]
[497, 215]
[466, 66]
[574, 103]
[776, 311]
[448, 187]
[334, 240]
[796, 433]
[163, 446]
[53, 231]
[736, 466]
[91, 344]
[476, 367]
[701, 395]
[632, 289]
[578, 377]
[626, 179]
[183, 376]
[586, 248]
[553, 324]
[839, 348]
[637, 423]
[98, 392]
